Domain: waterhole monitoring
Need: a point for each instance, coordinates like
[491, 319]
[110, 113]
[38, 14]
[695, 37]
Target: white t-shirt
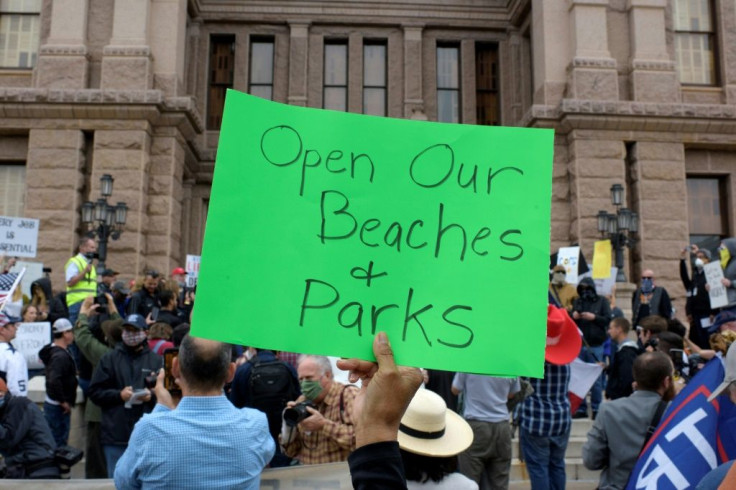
[72, 269]
[14, 365]
[453, 481]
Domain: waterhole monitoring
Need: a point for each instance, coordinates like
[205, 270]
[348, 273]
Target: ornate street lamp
[103, 220]
[619, 227]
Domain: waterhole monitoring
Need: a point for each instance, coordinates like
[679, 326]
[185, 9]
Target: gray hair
[325, 366]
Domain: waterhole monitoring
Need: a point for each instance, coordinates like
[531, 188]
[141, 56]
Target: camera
[297, 413]
[101, 300]
[149, 381]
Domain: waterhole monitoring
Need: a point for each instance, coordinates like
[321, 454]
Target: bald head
[204, 364]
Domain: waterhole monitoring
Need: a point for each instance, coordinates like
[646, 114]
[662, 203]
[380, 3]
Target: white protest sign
[29, 339]
[604, 286]
[717, 291]
[18, 236]
[192, 268]
[568, 257]
[34, 271]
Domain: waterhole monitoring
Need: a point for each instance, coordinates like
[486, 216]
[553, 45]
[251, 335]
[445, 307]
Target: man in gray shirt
[486, 412]
[618, 433]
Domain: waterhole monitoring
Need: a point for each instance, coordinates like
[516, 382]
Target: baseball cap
[61, 325]
[109, 272]
[177, 271]
[720, 319]
[730, 373]
[7, 320]
[119, 286]
[136, 321]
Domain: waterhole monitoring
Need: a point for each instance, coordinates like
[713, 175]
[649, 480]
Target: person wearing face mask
[81, 277]
[118, 387]
[697, 305]
[620, 431]
[26, 443]
[328, 434]
[649, 299]
[727, 253]
[563, 292]
[266, 383]
[592, 313]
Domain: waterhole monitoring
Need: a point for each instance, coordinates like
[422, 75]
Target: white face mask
[699, 263]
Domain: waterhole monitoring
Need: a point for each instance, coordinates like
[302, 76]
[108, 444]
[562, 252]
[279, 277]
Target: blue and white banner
[693, 437]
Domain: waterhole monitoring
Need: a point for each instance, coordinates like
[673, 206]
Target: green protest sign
[327, 227]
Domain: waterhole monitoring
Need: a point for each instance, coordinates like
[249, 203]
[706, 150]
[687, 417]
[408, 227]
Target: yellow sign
[602, 259]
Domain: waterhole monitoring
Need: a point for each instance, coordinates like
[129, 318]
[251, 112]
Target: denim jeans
[545, 459]
[58, 421]
[112, 455]
[592, 354]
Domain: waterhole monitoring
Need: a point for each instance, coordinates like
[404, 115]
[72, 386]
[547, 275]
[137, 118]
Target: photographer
[81, 276]
[322, 431]
[119, 388]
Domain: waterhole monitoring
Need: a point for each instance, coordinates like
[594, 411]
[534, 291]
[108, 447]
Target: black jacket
[116, 370]
[698, 300]
[142, 302]
[377, 466]
[594, 331]
[25, 436]
[621, 370]
[169, 317]
[61, 374]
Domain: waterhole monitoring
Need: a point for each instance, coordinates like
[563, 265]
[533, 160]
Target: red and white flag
[8, 282]
[582, 377]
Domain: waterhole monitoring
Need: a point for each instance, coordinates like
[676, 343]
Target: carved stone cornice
[603, 63]
[132, 51]
[63, 50]
[653, 65]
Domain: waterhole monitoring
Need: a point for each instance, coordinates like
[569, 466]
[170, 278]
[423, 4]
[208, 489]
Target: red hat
[563, 337]
[178, 271]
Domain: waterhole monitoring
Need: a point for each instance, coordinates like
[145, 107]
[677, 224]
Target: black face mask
[587, 294]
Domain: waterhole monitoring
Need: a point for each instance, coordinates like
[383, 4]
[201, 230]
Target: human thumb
[383, 352]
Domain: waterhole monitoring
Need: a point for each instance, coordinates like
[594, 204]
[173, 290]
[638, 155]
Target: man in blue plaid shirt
[545, 417]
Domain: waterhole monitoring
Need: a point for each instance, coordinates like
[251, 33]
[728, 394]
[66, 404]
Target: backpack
[271, 385]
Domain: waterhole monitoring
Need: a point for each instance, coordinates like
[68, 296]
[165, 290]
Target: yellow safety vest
[85, 287]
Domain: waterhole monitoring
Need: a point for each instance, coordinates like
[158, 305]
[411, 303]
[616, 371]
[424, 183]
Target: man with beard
[146, 298]
[620, 431]
[563, 292]
[118, 387]
[592, 313]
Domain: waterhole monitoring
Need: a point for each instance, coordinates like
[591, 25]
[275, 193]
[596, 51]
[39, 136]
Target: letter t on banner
[602, 259]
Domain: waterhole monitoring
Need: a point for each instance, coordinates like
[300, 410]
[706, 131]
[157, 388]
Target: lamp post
[104, 220]
[619, 227]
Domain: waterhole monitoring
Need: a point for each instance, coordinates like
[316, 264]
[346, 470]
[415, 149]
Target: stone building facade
[639, 92]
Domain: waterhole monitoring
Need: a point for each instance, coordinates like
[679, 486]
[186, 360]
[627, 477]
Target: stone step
[574, 470]
[574, 447]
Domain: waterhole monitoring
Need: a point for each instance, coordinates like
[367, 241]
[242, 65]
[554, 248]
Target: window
[707, 207]
[335, 95]
[261, 68]
[12, 189]
[19, 33]
[222, 61]
[374, 78]
[448, 83]
[486, 84]
[695, 42]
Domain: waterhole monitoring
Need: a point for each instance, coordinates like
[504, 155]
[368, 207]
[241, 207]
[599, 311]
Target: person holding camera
[81, 276]
[120, 388]
[203, 441]
[323, 430]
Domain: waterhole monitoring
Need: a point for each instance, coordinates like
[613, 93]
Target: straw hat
[563, 337]
[428, 428]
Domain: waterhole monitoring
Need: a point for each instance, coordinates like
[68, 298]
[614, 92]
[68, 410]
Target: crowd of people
[249, 408]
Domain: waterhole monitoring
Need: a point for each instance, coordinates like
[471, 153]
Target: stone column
[55, 181]
[653, 75]
[595, 165]
[298, 62]
[550, 50]
[62, 61]
[660, 197]
[165, 197]
[726, 19]
[126, 61]
[168, 45]
[125, 154]
[413, 97]
[592, 72]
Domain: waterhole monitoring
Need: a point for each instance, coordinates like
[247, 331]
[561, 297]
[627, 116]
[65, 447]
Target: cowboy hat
[428, 428]
[563, 337]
